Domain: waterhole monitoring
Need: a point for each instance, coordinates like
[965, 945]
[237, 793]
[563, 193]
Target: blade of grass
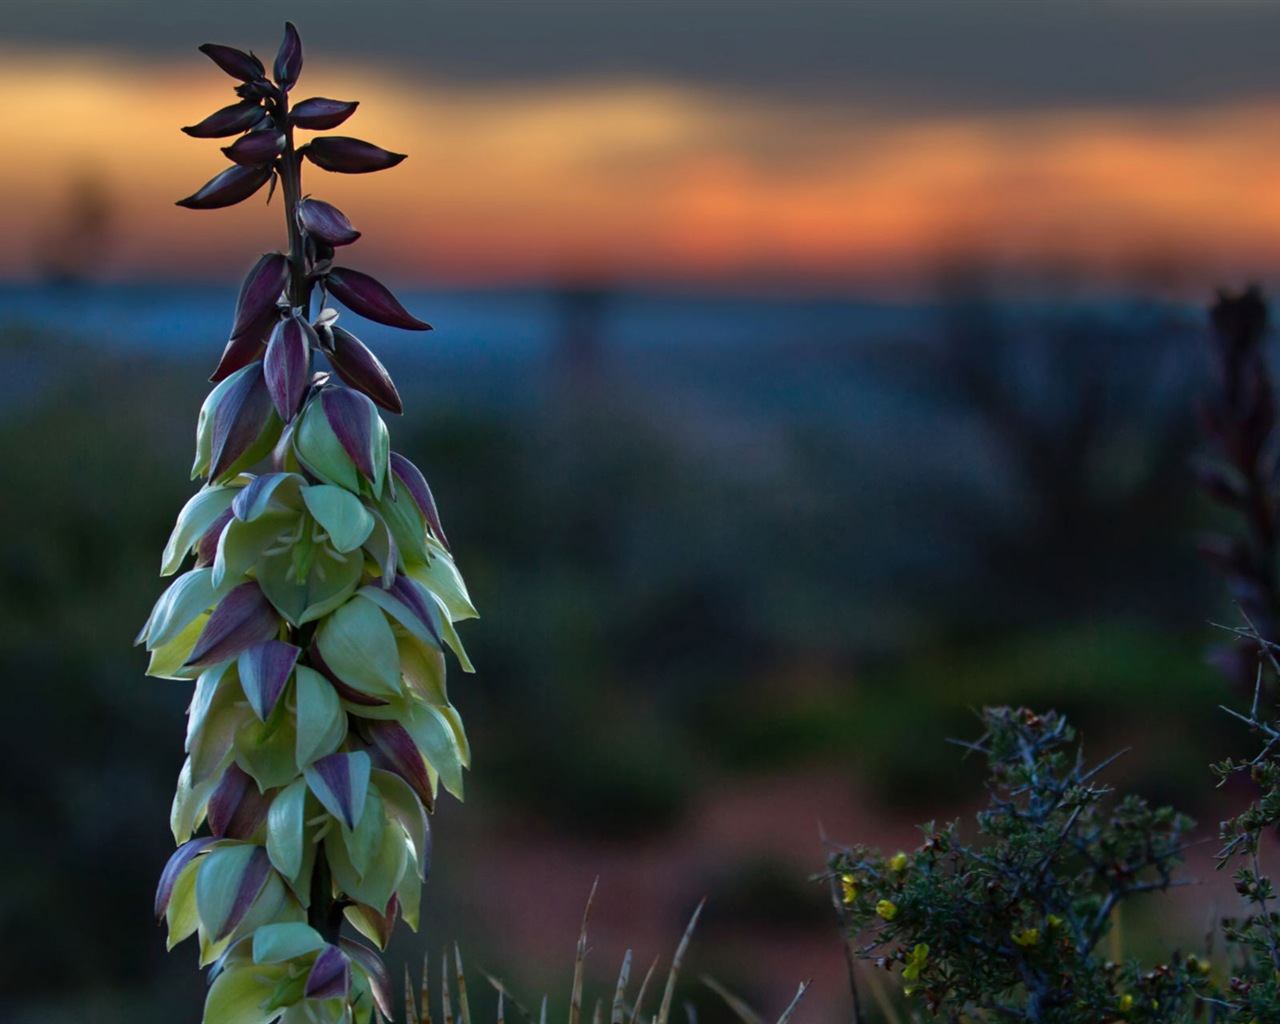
[446, 1000]
[464, 1007]
[410, 1010]
[644, 985]
[786, 1014]
[741, 1009]
[424, 992]
[665, 1010]
[597, 1014]
[619, 993]
[507, 997]
[579, 963]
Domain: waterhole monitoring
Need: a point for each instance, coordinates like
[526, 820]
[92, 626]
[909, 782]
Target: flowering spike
[232, 120]
[361, 369]
[288, 58]
[371, 299]
[256, 148]
[316, 615]
[321, 114]
[236, 63]
[285, 367]
[232, 186]
[326, 223]
[345, 155]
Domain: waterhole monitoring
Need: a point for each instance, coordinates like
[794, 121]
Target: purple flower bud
[375, 970]
[237, 808]
[256, 148]
[341, 783]
[351, 417]
[285, 367]
[232, 186]
[264, 670]
[238, 353]
[321, 114]
[260, 292]
[232, 120]
[326, 222]
[416, 484]
[360, 368]
[364, 295]
[288, 58]
[236, 63]
[413, 595]
[238, 420]
[182, 856]
[330, 976]
[392, 749]
[207, 545]
[349, 156]
[243, 618]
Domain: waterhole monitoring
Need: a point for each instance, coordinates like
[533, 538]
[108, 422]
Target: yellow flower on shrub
[887, 909]
[848, 889]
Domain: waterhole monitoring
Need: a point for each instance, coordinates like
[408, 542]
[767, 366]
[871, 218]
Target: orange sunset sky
[667, 173]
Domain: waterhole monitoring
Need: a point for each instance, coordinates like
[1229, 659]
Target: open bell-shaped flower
[340, 438]
[237, 427]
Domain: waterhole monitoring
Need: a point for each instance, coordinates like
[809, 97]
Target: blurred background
[804, 376]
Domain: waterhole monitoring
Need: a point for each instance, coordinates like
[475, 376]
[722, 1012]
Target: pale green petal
[169, 661]
[341, 514]
[410, 893]
[319, 449]
[406, 525]
[218, 881]
[242, 544]
[363, 841]
[328, 585]
[279, 494]
[382, 877]
[208, 686]
[423, 668]
[356, 642]
[322, 724]
[239, 996]
[211, 744]
[189, 595]
[181, 916]
[455, 644]
[276, 943]
[286, 829]
[403, 806]
[197, 515]
[398, 610]
[266, 750]
[442, 578]
[435, 737]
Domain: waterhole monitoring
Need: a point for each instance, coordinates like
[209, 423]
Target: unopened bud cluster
[316, 614]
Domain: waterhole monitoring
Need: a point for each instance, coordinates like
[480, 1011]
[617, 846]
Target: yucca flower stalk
[315, 617]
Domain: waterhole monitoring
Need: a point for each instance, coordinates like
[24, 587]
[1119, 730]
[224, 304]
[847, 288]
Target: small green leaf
[341, 514]
[356, 642]
[322, 724]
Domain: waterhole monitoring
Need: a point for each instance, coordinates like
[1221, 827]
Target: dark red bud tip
[320, 114]
[349, 156]
[256, 148]
[232, 186]
[232, 120]
[364, 295]
[285, 366]
[260, 293]
[326, 223]
[288, 58]
[360, 368]
[236, 63]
